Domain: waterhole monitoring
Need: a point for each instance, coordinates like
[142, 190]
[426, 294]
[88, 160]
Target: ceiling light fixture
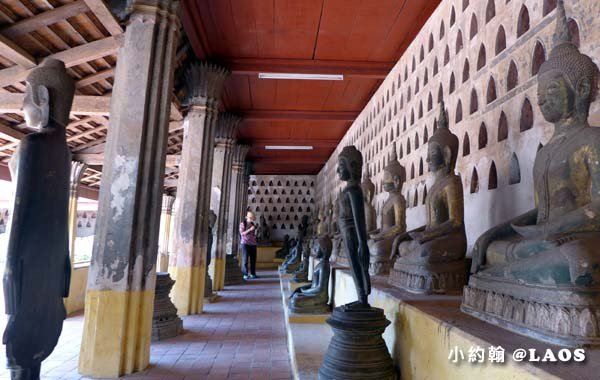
[300, 76]
[288, 147]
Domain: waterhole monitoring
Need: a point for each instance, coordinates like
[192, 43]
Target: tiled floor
[241, 336]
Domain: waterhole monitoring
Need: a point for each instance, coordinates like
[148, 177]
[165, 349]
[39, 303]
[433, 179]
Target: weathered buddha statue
[328, 216]
[352, 223]
[314, 298]
[368, 189]
[393, 218]
[291, 265]
[334, 229]
[432, 258]
[264, 232]
[38, 269]
[285, 250]
[301, 274]
[539, 273]
[321, 226]
[292, 251]
[212, 219]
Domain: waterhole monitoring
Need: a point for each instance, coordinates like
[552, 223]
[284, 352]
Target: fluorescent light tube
[300, 76]
[288, 147]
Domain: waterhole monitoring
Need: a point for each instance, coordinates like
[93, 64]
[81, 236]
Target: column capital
[240, 153]
[123, 9]
[204, 84]
[167, 204]
[77, 170]
[221, 143]
[227, 125]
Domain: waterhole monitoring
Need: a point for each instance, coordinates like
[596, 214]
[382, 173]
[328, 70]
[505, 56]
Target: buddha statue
[291, 265]
[539, 273]
[432, 257]
[285, 250]
[264, 232]
[321, 226]
[38, 268]
[314, 298]
[368, 188]
[393, 218]
[212, 220]
[352, 223]
[334, 228]
[337, 251]
[301, 274]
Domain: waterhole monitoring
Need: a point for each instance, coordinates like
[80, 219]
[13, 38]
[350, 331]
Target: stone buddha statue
[285, 250]
[393, 218]
[314, 298]
[352, 223]
[432, 258]
[291, 265]
[539, 273]
[38, 269]
[368, 188]
[301, 274]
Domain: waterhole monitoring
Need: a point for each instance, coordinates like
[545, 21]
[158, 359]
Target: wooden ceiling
[361, 40]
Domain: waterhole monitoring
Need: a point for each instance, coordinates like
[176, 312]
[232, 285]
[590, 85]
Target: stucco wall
[393, 116]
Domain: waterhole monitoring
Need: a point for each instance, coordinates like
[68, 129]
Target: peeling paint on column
[120, 189]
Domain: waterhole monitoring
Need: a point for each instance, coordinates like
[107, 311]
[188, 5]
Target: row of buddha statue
[537, 274]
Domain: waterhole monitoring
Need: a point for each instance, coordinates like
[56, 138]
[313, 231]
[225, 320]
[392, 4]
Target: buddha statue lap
[314, 298]
[393, 218]
[539, 274]
[432, 258]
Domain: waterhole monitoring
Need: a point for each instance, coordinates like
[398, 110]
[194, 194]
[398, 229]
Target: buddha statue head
[350, 163]
[394, 174]
[49, 94]
[368, 187]
[567, 80]
[323, 247]
[442, 148]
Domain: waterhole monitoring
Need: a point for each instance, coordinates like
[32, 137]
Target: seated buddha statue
[539, 273]
[321, 226]
[291, 265]
[368, 188]
[314, 298]
[285, 250]
[393, 218]
[432, 257]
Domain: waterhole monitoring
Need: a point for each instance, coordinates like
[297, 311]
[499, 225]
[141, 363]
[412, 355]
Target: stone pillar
[221, 179]
[188, 259]
[122, 274]
[235, 200]
[166, 214]
[77, 169]
[243, 203]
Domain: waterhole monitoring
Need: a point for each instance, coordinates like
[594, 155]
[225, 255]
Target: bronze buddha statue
[539, 273]
[285, 250]
[321, 226]
[393, 218]
[368, 188]
[291, 265]
[38, 268]
[314, 298]
[432, 258]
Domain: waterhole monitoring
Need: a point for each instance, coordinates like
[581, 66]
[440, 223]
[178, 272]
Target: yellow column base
[188, 292]
[219, 274]
[116, 332]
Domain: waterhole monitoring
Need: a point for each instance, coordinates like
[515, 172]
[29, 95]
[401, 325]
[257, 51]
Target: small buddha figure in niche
[393, 218]
[285, 250]
[352, 223]
[545, 262]
[432, 258]
[314, 298]
[368, 188]
[38, 269]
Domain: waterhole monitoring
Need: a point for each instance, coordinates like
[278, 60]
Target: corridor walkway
[241, 336]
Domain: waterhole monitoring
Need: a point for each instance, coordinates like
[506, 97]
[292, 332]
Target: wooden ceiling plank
[82, 104]
[10, 134]
[253, 66]
[46, 18]
[71, 57]
[106, 17]
[297, 115]
[93, 78]
[15, 53]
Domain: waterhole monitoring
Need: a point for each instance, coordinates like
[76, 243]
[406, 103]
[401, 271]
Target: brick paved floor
[241, 336]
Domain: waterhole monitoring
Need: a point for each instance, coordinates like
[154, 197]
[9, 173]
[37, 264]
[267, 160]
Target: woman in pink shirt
[248, 234]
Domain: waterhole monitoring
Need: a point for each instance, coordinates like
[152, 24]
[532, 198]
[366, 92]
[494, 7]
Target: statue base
[379, 267]
[165, 322]
[322, 311]
[233, 272]
[440, 278]
[563, 316]
[357, 350]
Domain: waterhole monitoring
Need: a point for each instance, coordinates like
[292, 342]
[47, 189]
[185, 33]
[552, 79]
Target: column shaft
[122, 273]
[165, 232]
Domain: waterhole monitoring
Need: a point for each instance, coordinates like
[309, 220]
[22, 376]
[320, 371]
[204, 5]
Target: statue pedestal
[443, 278]
[233, 272]
[357, 349]
[165, 322]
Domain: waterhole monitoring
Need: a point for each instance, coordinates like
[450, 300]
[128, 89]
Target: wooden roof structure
[84, 34]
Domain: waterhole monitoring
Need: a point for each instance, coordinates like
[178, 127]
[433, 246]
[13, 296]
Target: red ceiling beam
[314, 143]
[297, 115]
[289, 161]
[359, 69]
